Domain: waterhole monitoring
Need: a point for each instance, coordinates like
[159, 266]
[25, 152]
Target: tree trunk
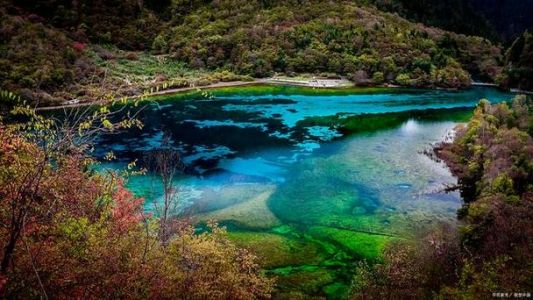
[9, 249]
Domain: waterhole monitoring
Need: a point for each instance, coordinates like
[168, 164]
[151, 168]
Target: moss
[360, 244]
[337, 291]
[309, 281]
[283, 229]
[277, 251]
[323, 194]
[374, 122]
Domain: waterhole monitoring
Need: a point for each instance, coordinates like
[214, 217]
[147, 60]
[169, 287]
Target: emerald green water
[311, 180]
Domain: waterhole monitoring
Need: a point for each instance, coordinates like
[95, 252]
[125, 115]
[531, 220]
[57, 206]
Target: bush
[39, 58]
[378, 78]
[84, 234]
[403, 79]
[160, 45]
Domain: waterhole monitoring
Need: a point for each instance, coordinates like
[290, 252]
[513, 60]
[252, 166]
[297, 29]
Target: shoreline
[311, 83]
[319, 83]
[476, 83]
[158, 93]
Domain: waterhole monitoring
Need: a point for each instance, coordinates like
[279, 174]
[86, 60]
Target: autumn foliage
[69, 232]
[491, 250]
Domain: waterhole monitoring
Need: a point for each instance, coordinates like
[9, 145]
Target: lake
[312, 181]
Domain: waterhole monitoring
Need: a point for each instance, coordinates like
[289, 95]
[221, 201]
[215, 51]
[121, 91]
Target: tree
[403, 79]
[166, 163]
[44, 142]
[492, 248]
[68, 231]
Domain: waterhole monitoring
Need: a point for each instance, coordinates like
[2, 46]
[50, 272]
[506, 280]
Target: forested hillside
[508, 17]
[498, 20]
[60, 50]
[455, 15]
[337, 37]
[518, 70]
[98, 46]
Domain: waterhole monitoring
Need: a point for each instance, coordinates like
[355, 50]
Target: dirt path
[313, 83]
[163, 92]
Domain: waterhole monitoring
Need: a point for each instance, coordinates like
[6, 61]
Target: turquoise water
[311, 180]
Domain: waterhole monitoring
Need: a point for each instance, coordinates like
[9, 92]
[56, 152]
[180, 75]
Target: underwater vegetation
[312, 181]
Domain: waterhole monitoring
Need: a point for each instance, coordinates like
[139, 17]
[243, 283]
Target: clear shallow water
[311, 180]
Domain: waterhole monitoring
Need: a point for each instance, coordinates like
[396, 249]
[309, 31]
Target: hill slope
[498, 20]
[327, 36]
[257, 38]
[518, 72]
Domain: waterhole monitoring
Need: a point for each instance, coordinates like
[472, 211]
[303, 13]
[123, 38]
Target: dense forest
[96, 51]
[496, 19]
[519, 63]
